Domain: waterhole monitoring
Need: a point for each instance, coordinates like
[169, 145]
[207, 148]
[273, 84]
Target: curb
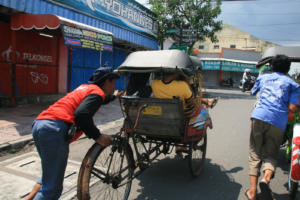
[18, 144]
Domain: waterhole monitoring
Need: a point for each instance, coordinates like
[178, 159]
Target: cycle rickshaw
[151, 127]
[292, 134]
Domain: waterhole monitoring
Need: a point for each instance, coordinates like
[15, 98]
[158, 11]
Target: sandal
[246, 194]
[215, 102]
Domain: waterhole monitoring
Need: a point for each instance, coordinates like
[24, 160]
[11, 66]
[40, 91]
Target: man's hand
[294, 108]
[104, 140]
[118, 93]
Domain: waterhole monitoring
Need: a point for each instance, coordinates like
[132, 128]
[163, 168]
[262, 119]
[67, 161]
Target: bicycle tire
[197, 154]
[90, 187]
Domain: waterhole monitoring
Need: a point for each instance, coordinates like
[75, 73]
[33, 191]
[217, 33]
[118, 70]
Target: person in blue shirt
[277, 95]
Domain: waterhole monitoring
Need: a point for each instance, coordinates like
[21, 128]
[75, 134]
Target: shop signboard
[125, 13]
[211, 64]
[78, 37]
[182, 47]
[238, 67]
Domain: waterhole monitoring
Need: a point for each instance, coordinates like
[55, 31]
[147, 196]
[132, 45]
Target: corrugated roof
[208, 55]
[45, 7]
[241, 55]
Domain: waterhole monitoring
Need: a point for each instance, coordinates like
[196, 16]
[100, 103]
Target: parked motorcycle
[248, 85]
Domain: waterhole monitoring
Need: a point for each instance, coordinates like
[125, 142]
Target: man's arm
[256, 87]
[294, 99]
[84, 115]
[87, 109]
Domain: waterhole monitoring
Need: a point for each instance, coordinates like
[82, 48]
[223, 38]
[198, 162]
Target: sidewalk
[15, 123]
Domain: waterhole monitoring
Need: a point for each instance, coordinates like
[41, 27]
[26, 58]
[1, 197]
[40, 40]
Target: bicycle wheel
[197, 153]
[293, 188]
[106, 173]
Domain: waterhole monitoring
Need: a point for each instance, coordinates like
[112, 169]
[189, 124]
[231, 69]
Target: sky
[276, 21]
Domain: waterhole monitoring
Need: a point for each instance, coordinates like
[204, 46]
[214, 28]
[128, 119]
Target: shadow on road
[283, 162]
[229, 95]
[171, 179]
[284, 165]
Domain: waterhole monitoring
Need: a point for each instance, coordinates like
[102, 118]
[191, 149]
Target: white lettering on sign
[90, 4]
[37, 57]
[7, 53]
[134, 13]
[35, 77]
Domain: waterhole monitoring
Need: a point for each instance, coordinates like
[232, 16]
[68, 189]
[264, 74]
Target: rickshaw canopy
[292, 52]
[159, 60]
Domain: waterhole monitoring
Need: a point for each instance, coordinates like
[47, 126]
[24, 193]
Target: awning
[39, 22]
[74, 33]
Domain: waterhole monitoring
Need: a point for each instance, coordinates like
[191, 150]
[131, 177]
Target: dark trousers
[49, 138]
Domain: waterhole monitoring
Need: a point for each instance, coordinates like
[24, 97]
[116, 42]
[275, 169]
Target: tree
[160, 8]
[198, 15]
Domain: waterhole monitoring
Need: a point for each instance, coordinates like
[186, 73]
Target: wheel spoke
[113, 168]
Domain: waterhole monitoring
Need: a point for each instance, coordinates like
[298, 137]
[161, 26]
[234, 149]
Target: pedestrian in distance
[277, 94]
[53, 129]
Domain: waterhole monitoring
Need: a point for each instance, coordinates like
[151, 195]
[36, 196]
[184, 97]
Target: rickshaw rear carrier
[161, 118]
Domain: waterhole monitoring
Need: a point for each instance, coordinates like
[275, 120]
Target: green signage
[172, 31]
[232, 66]
[238, 67]
[182, 47]
[211, 64]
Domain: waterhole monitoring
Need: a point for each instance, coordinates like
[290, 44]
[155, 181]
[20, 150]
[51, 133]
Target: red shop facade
[28, 63]
[35, 57]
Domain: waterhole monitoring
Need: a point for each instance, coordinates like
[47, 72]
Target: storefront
[210, 72]
[217, 69]
[52, 46]
[27, 68]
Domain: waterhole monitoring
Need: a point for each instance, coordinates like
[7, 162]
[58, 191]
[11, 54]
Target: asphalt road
[225, 175]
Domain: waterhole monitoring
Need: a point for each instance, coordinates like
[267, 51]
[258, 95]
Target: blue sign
[72, 42]
[127, 14]
[86, 39]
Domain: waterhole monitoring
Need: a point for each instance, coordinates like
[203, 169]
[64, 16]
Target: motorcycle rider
[246, 78]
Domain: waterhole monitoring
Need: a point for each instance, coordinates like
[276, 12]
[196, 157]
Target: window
[201, 47]
[232, 46]
[216, 46]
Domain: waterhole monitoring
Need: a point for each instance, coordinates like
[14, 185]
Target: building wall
[168, 43]
[5, 57]
[230, 35]
[62, 67]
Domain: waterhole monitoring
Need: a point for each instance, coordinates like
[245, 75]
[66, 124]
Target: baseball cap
[103, 73]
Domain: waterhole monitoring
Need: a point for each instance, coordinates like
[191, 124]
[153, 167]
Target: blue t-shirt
[276, 92]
